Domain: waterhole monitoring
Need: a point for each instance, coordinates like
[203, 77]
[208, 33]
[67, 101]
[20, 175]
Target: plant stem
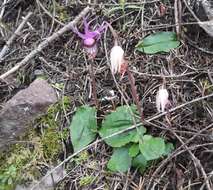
[114, 34]
[94, 92]
[134, 93]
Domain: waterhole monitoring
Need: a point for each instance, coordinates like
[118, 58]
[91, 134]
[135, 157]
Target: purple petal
[92, 34]
[102, 27]
[91, 51]
[75, 30]
[89, 42]
[86, 25]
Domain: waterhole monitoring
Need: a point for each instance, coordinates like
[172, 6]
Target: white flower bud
[116, 58]
[162, 99]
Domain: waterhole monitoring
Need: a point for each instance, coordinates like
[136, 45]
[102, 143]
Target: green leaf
[120, 160]
[152, 147]
[117, 121]
[83, 128]
[10, 181]
[139, 162]
[139, 135]
[158, 42]
[168, 149]
[134, 150]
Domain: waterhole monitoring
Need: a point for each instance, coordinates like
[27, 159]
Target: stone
[23, 108]
[204, 12]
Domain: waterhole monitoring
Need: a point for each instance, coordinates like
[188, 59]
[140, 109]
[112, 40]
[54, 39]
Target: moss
[19, 165]
[82, 157]
[7, 178]
[206, 85]
[51, 142]
[23, 162]
[86, 180]
[51, 138]
[61, 12]
[93, 164]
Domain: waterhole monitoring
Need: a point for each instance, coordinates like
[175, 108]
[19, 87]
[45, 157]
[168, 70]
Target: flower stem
[134, 93]
[114, 34]
[94, 92]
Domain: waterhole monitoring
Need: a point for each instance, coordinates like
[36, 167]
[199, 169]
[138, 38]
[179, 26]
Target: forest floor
[187, 69]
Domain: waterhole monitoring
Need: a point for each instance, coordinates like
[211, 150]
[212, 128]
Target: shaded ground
[65, 65]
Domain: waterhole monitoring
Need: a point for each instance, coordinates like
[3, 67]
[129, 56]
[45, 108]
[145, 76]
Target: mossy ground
[26, 161]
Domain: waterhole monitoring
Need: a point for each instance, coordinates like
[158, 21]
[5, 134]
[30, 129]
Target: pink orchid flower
[90, 37]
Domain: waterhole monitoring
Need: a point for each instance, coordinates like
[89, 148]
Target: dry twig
[13, 37]
[177, 11]
[2, 9]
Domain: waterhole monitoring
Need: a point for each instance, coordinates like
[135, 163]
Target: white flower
[162, 99]
[116, 58]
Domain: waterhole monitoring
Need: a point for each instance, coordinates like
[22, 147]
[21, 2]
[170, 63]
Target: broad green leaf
[120, 160]
[139, 162]
[158, 42]
[134, 150]
[83, 128]
[117, 121]
[152, 147]
[139, 135]
[168, 149]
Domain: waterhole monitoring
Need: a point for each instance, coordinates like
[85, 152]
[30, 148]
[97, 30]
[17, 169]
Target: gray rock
[204, 12]
[23, 108]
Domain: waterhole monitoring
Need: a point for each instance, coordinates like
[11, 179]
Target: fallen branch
[3, 9]
[13, 37]
[45, 43]
[120, 132]
[177, 13]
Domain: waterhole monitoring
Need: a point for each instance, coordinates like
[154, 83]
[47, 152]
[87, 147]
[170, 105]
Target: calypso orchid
[90, 37]
[116, 58]
[162, 101]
